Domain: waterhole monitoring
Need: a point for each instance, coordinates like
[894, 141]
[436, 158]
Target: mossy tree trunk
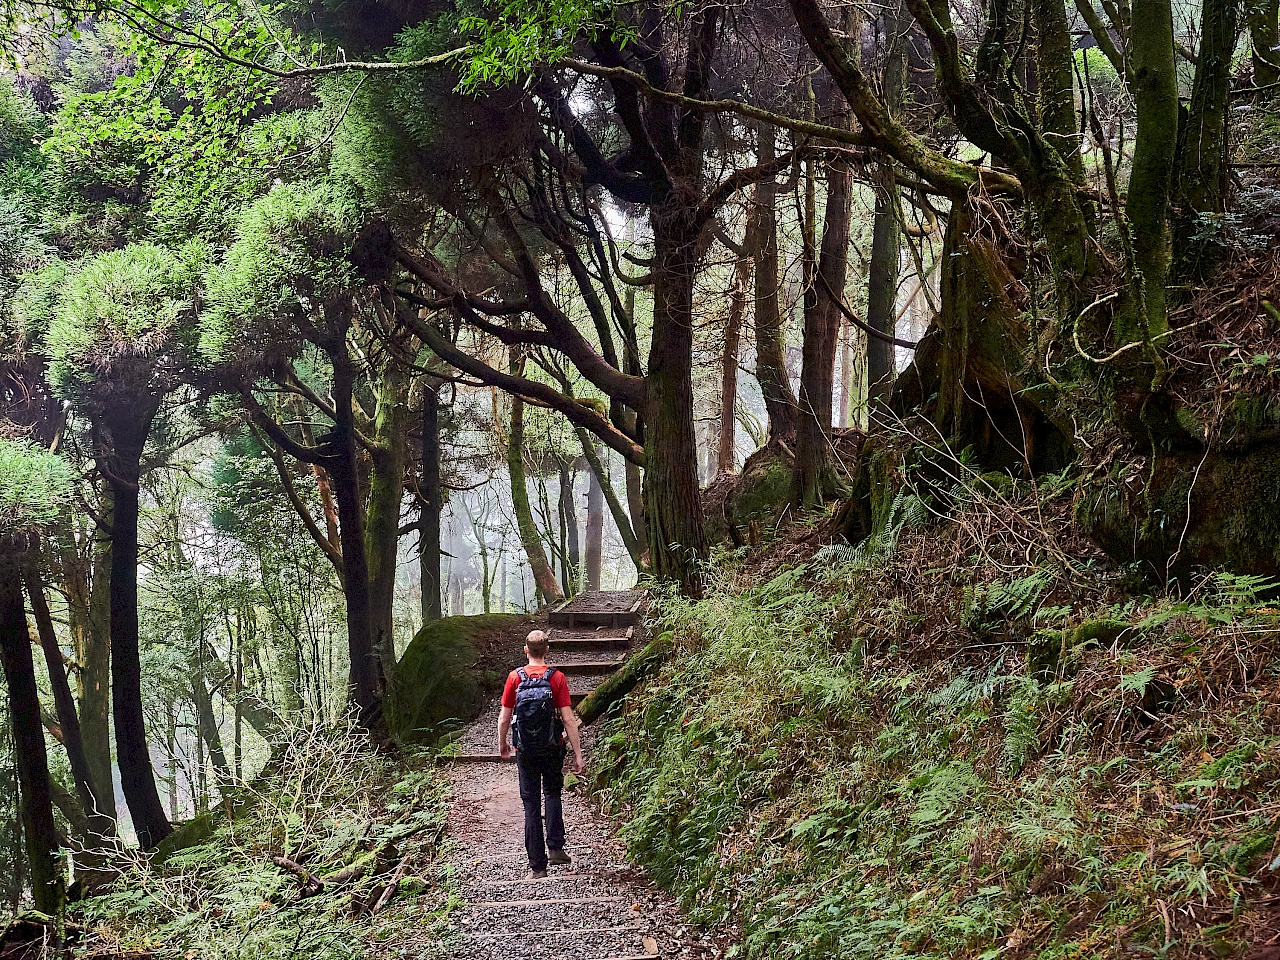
[1264, 41]
[431, 503]
[726, 438]
[1202, 165]
[382, 518]
[31, 760]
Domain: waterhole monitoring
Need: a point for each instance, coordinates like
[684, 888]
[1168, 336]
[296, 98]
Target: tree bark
[1264, 41]
[1154, 82]
[127, 426]
[382, 519]
[32, 762]
[771, 366]
[567, 507]
[1202, 165]
[595, 530]
[591, 454]
[673, 503]
[93, 651]
[207, 728]
[726, 440]
[99, 825]
[815, 478]
[431, 494]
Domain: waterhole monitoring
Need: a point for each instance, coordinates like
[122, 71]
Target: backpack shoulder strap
[524, 677]
[551, 672]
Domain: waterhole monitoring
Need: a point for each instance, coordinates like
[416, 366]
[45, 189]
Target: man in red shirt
[542, 775]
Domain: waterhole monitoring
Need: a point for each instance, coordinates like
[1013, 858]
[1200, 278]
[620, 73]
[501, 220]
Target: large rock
[446, 673]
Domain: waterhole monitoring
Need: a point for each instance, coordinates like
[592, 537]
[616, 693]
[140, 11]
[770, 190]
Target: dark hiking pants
[541, 780]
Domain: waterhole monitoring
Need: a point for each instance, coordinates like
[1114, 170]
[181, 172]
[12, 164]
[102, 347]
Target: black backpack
[536, 727]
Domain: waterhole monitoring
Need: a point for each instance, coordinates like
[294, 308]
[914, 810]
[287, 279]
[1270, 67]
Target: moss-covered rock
[440, 677]
[758, 495]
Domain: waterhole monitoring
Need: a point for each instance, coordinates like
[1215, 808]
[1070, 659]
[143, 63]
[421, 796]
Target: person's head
[536, 645]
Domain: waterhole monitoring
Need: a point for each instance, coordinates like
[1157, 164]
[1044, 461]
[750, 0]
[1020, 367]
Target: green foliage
[289, 258]
[334, 802]
[121, 306]
[897, 804]
[514, 36]
[35, 487]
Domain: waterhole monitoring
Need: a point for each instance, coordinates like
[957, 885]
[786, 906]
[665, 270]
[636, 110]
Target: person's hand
[505, 751]
[578, 764]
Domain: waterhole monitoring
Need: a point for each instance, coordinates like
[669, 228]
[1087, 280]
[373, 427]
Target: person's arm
[504, 728]
[571, 728]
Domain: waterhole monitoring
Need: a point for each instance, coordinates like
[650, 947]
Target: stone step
[589, 666]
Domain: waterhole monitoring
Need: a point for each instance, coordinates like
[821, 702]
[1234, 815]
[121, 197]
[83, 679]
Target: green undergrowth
[932, 746]
[361, 833]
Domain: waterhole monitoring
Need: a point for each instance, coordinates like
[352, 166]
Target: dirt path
[599, 907]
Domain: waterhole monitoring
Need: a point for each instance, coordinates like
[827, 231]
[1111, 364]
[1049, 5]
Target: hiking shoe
[558, 858]
[535, 874]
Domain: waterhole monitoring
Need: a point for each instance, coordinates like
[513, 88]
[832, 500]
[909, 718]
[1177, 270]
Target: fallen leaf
[650, 946]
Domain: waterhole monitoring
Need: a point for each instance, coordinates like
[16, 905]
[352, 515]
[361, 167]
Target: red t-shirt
[559, 686]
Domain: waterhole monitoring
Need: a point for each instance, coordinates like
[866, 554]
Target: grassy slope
[856, 758]
[347, 813]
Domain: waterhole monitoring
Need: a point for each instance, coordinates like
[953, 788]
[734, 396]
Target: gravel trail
[599, 908]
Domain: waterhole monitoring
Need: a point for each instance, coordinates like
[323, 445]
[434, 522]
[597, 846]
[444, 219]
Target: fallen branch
[617, 686]
[391, 887]
[311, 884]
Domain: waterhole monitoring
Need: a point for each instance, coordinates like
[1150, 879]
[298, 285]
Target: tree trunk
[571, 564]
[93, 651]
[47, 882]
[673, 504]
[591, 453]
[815, 478]
[726, 444]
[207, 730]
[1264, 41]
[127, 428]
[382, 519]
[1155, 92]
[595, 530]
[543, 576]
[1202, 166]
[364, 680]
[771, 367]
[430, 491]
[100, 825]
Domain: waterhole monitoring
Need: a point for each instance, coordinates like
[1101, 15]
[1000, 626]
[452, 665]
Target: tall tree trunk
[1155, 92]
[726, 442]
[631, 472]
[128, 428]
[364, 680]
[1202, 166]
[771, 366]
[673, 503]
[93, 653]
[100, 825]
[543, 576]
[595, 530]
[47, 882]
[815, 478]
[591, 453]
[571, 564]
[886, 233]
[431, 493]
[1264, 41]
[207, 730]
[382, 519]
[1055, 83]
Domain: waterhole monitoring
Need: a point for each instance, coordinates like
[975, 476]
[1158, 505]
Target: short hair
[538, 643]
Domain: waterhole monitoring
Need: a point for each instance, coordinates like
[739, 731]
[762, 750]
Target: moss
[437, 679]
[192, 833]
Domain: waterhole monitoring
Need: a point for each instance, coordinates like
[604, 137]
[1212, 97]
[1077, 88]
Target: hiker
[537, 710]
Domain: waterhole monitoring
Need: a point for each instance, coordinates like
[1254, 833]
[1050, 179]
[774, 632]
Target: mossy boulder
[441, 679]
[758, 495]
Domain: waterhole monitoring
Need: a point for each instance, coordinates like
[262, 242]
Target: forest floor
[599, 907]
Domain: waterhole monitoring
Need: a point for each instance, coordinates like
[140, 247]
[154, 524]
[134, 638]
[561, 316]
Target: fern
[1022, 725]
